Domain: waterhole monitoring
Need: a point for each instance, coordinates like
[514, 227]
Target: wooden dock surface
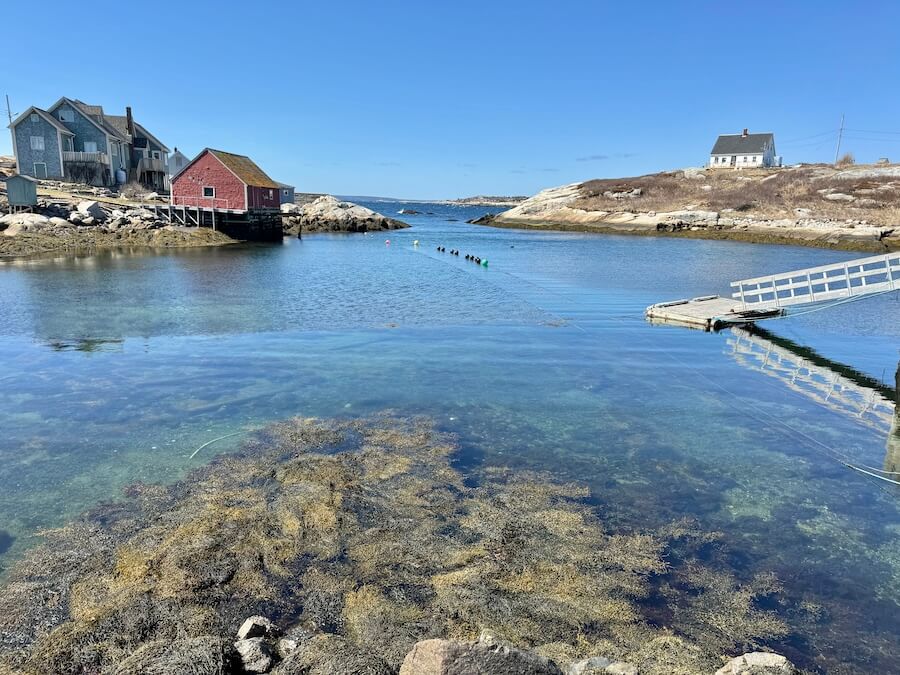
[705, 313]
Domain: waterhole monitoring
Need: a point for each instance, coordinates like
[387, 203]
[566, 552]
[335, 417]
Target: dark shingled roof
[737, 144]
[119, 123]
[244, 168]
[95, 112]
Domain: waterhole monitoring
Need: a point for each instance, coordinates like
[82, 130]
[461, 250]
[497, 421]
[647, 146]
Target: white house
[743, 151]
[177, 161]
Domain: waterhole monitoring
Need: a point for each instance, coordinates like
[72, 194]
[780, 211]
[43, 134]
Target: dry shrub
[847, 159]
[133, 190]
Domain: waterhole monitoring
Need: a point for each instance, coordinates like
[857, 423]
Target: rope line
[761, 415]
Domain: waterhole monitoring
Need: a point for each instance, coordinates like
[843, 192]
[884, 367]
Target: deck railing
[865, 276]
[72, 156]
[151, 164]
[200, 202]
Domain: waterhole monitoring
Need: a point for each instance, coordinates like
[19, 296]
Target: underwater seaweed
[362, 533]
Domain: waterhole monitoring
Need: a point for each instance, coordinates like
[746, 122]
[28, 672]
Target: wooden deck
[706, 313]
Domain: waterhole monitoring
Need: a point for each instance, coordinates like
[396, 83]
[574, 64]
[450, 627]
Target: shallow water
[118, 366]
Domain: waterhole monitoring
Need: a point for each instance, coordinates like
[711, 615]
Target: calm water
[117, 367]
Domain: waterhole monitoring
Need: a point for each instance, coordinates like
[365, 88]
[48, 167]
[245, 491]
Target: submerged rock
[448, 657]
[204, 655]
[257, 626]
[365, 534]
[332, 655]
[759, 663]
[255, 654]
[596, 665]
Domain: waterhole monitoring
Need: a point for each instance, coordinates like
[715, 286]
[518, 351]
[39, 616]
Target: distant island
[485, 200]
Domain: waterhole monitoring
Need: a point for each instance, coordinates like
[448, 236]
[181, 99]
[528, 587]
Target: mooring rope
[841, 457]
[208, 443]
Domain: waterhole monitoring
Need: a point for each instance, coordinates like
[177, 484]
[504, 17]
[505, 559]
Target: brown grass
[758, 193]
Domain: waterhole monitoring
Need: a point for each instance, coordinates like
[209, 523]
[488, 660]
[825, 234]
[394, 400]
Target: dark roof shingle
[737, 144]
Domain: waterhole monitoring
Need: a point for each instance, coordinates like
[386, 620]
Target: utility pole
[8, 109]
[837, 152]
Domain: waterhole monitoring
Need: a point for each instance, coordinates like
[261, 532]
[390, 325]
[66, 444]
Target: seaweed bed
[362, 536]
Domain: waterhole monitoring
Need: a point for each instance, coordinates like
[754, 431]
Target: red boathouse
[217, 181]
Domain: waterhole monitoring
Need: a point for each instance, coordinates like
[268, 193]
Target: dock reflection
[892, 457]
[831, 384]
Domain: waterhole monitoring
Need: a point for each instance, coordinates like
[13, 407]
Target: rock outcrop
[92, 210]
[255, 654]
[329, 214]
[758, 663]
[92, 225]
[448, 657]
[591, 207]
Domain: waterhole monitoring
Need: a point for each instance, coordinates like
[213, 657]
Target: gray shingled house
[743, 151]
[73, 140]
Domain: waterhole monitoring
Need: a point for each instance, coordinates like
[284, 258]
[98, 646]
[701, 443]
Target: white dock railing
[864, 276]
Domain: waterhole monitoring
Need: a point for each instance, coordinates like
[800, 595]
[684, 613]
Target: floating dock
[770, 296]
[706, 313]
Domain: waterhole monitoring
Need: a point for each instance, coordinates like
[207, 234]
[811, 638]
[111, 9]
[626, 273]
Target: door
[40, 170]
[733, 160]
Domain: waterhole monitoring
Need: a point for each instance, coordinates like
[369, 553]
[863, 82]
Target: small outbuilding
[286, 193]
[223, 181]
[21, 191]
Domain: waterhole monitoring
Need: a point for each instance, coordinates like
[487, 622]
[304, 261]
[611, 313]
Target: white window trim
[43, 143]
[209, 187]
[44, 164]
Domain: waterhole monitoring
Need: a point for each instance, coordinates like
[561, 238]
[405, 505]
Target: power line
[9, 110]
[864, 131]
[840, 134]
[832, 132]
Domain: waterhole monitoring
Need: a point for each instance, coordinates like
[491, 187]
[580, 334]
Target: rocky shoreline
[91, 225]
[83, 226]
[757, 216]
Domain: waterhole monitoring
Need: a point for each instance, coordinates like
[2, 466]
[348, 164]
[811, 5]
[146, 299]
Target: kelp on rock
[363, 534]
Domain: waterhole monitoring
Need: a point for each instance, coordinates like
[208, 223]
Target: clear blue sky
[443, 99]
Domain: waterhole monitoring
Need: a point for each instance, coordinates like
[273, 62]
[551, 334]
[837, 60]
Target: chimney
[743, 135]
[129, 121]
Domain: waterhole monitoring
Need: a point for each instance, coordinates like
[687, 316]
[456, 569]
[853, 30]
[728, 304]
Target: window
[34, 118]
[37, 142]
[156, 154]
[271, 194]
[209, 191]
[66, 115]
[90, 146]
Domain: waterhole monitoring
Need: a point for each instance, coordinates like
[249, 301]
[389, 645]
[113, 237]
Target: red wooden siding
[264, 198]
[187, 188]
